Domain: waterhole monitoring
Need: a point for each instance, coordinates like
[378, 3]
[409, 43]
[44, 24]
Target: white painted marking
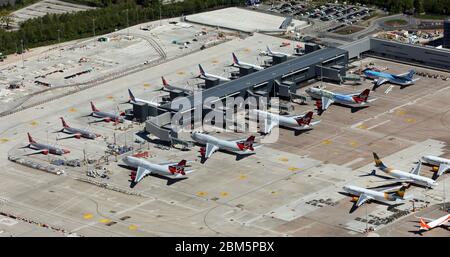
[356, 124]
[353, 161]
[379, 124]
[389, 89]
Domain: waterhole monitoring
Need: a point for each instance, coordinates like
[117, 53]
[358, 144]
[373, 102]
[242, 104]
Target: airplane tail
[179, 168]
[363, 96]
[410, 74]
[202, 71]
[164, 81]
[247, 144]
[269, 51]
[30, 139]
[132, 98]
[401, 192]
[424, 225]
[305, 120]
[94, 109]
[235, 59]
[64, 123]
[378, 162]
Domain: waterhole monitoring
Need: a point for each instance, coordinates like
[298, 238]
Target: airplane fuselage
[417, 179]
[376, 195]
[81, 132]
[110, 116]
[152, 167]
[317, 93]
[50, 148]
[222, 144]
[284, 121]
[389, 77]
[207, 75]
[434, 160]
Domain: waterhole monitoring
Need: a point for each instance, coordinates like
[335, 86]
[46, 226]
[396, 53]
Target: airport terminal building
[285, 76]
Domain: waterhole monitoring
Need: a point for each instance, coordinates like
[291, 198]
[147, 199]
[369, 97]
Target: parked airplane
[106, 116]
[403, 176]
[442, 221]
[405, 79]
[442, 163]
[237, 63]
[134, 99]
[45, 148]
[240, 147]
[167, 87]
[174, 170]
[204, 75]
[78, 133]
[388, 196]
[269, 52]
[327, 98]
[297, 122]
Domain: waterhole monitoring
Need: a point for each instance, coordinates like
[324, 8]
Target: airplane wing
[442, 168]
[416, 170]
[141, 173]
[210, 149]
[387, 189]
[172, 163]
[326, 102]
[362, 199]
[397, 180]
[381, 81]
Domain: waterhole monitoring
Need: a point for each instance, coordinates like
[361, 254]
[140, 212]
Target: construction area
[51, 72]
[43, 8]
[291, 187]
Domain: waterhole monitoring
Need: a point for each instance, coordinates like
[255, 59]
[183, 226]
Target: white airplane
[442, 221]
[442, 163]
[297, 122]
[327, 98]
[240, 147]
[403, 176]
[168, 88]
[388, 196]
[173, 170]
[134, 99]
[204, 75]
[237, 63]
[269, 52]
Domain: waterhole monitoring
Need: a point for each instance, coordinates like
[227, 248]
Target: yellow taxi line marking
[88, 216]
[201, 193]
[242, 177]
[326, 142]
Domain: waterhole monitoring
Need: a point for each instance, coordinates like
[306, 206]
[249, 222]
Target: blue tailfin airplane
[380, 78]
